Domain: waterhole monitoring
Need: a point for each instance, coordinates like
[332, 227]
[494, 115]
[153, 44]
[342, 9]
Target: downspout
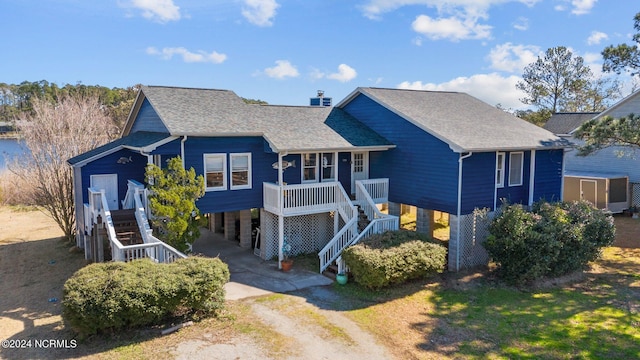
[462, 157]
[532, 176]
[184, 138]
[564, 151]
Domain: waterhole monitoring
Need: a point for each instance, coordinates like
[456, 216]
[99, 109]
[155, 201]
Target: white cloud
[157, 10]
[373, 9]
[491, 88]
[455, 20]
[260, 12]
[521, 23]
[282, 70]
[452, 28]
[578, 7]
[188, 56]
[513, 58]
[596, 37]
[345, 73]
[581, 7]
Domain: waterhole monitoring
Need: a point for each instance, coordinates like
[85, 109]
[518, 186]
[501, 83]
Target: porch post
[280, 240]
[335, 165]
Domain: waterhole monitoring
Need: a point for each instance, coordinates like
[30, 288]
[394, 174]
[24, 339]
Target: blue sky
[283, 51]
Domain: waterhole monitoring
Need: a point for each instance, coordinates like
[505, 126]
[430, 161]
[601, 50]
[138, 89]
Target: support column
[215, 222]
[245, 229]
[424, 221]
[394, 209]
[454, 243]
[230, 225]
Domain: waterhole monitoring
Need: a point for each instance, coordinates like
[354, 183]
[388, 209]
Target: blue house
[318, 174]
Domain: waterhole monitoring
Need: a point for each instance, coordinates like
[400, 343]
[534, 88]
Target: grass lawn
[590, 315]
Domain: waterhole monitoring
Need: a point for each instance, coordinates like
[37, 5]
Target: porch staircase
[126, 227]
[367, 220]
[127, 232]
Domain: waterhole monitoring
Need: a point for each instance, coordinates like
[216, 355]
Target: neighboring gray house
[610, 178]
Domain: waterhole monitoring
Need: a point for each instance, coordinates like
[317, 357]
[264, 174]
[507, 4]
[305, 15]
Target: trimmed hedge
[117, 295]
[550, 240]
[394, 257]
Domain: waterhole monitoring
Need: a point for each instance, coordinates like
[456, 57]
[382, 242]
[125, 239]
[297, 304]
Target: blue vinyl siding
[261, 171]
[422, 170]
[170, 148]
[548, 172]
[292, 175]
[516, 194]
[133, 170]
[478, 181]
[148, 120]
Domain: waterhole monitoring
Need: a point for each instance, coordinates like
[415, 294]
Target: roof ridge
[185, 88]
[416, 90]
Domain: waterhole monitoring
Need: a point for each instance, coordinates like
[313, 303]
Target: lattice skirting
[474, 230]
[635, 194]
[305, 233]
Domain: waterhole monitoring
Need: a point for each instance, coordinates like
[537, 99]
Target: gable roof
[460, 120]
[141, 140]
[208, 112]
[565, 123]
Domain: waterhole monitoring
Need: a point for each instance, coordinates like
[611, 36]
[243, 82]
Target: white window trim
[500, 169]
[303, 167]
[249, 177]
[334, 166]
[521, 168]
[224, 171]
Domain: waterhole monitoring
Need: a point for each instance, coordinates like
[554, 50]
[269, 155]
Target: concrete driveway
[250, 275]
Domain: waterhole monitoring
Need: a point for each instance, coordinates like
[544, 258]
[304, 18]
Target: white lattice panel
[635, 194]
[305, 233]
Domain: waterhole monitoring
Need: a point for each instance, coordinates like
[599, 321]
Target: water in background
[8, 149]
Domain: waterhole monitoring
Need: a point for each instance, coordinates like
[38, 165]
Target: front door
[108, 183]
[359, 168]
[588, 191]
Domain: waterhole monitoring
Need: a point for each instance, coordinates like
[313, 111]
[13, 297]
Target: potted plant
[342, 278]
[287, 262]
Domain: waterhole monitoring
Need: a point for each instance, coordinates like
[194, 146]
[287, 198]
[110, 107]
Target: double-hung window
[500, 169]
[215, 169]
[240, 171]
[328, 167]
[309, 168]
[516, 165]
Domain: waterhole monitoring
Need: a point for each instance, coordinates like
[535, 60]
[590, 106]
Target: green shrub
[393, 258]
[117, 295]
[551, 240]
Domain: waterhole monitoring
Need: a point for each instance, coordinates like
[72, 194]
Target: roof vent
[320, 100]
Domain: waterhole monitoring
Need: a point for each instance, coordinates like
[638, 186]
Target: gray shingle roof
[564, 123]
[205, 112]
[460, 120]
[138, 139]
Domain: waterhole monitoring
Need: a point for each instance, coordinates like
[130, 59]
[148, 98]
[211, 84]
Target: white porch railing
[378, 189]
[379, 222]
[300, 199]
[152, 247]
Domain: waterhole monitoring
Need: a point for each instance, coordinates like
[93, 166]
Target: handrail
[340, 240]
[99, 206]
[152, 247]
